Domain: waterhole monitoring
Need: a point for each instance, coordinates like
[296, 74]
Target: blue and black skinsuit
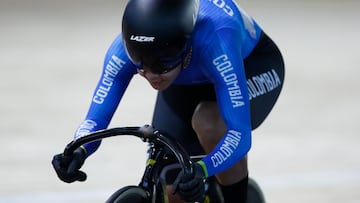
[233, 62]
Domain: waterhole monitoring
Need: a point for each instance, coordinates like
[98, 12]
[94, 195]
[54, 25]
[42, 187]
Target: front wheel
[255, 194]
[129, 194]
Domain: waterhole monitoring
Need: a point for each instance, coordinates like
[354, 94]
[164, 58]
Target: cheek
[172, 75]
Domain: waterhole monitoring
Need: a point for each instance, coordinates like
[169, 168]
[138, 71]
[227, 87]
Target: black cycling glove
[67, 167]
[191, 187]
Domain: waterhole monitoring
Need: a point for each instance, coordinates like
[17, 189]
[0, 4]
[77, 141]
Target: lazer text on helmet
[142, 38]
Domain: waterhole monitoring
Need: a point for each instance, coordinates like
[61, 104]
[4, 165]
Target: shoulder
[216, 16]
[219, 14]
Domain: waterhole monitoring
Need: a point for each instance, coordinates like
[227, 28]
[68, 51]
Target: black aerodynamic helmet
[156, 32]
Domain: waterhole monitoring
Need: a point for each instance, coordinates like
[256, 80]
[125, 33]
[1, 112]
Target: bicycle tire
[133, 194]
[255, 194]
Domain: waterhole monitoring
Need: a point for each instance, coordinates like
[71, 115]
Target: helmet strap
[187, 59]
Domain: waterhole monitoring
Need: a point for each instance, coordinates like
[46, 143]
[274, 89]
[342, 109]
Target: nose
[152, 76]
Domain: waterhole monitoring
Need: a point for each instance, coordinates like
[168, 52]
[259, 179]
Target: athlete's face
[160, 81]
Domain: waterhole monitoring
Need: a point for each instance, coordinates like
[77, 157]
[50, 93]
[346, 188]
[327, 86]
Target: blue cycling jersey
[223, 36]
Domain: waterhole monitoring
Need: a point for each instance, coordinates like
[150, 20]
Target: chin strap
[187, 59]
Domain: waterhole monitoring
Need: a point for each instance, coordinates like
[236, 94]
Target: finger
[74, 165]
[81, 176]
[56, 161]
[61, 173]
[176, 183]
[189, 185]
[175, 187]
[189, 193]
[57, 165]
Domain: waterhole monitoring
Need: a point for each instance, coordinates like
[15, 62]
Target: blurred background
[51, 55]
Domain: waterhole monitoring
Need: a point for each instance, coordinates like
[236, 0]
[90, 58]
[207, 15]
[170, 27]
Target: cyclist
[218, 75]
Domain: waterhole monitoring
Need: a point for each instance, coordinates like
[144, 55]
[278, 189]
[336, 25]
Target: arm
[226, 70]
[116, 75]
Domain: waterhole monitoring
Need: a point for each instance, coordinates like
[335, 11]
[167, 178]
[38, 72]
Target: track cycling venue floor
[51, 53]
